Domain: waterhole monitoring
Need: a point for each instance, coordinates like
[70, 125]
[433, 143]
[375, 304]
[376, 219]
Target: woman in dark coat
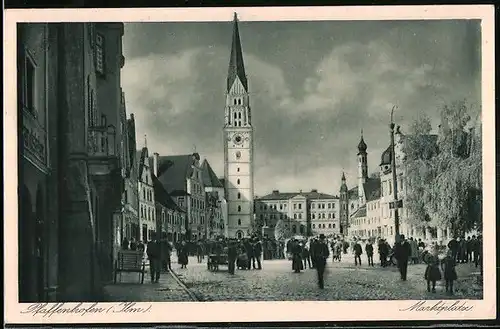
[450, 274]
[183, 254]
[432, 273]
[297, 257]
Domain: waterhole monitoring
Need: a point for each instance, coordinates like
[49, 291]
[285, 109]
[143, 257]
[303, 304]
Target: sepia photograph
[249, 159]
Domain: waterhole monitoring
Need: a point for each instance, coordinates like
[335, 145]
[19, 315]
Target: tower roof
[343, 187]
[362, 145]
[236, 65]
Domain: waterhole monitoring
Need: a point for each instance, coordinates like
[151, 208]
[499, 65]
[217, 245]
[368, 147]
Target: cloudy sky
[313, 85]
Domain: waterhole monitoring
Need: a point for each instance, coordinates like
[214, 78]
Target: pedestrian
[369, 253]
[199, 251]
[133, 244]
[402, 252]
[382, 251]
[321, 255]
[242, 261]
[450, 274]
[232, 254]
[125, 243]
[469, 249]
[183, 254]
[256, 253]
[296, 257]
[453, 246]
[306, 256]
[475, 250]
[154, 254]
[432, 273]
[463, 250]
[312, 250]
[414, 250]
[357, 253]
[167, 253]
[478, 258]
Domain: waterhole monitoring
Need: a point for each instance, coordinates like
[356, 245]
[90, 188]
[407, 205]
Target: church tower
[344, 206]
[362, 169]
[238, 145]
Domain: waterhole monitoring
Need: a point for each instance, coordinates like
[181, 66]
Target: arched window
[329, 225]
[235, 101]
[333, 225]
[238, 181]
[239, 101]
[239, 221]
[239, 195]
[314, 225]
[239, 208]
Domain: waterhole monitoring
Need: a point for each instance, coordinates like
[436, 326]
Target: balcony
[102, 151]
[34, 137]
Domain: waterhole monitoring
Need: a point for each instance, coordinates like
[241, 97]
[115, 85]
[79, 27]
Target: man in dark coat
[125, 244]
[402, 251]
[357, 253]
[382, 251]
[453, 245]
[166, 253]
[249, 251]
[369, 252]
[256, 253]
[154, 256]
[321, 254]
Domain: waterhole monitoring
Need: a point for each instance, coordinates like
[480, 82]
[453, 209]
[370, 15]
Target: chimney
[155, 163]
[314, 191]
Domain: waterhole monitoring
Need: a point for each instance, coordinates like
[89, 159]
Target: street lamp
[395, 203]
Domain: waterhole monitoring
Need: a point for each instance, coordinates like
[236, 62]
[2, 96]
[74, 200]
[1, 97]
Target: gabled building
[147, 213]
[181, 177]
[169, 217]
[216, 204]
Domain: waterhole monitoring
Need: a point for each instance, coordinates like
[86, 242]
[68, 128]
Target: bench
[130, 261]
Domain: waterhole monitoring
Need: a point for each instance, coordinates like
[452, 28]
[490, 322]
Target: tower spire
[145, 141]
[236, 65]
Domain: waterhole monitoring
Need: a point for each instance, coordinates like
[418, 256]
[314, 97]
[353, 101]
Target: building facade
[372, 216]
[303, 213]
[238, 145]
[130, 226]
[71, 178]
[181, 177]
[216, 205]
[147, 213]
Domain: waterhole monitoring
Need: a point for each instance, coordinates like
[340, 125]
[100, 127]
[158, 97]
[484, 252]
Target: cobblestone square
[277, 282]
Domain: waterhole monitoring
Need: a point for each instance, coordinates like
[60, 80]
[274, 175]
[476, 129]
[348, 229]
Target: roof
[313, 195]
[140, 156]
[162, 197]
[360, 212]
[353, 193]
[209, 177]
[173, 171]
[236, 65]
[372, 189]
[362, 145]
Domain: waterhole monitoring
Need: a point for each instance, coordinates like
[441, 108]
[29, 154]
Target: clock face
[238, 139]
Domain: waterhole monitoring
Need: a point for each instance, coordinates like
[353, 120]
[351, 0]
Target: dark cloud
[314, 86]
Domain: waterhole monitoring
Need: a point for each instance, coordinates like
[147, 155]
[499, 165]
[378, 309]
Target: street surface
[277, 282]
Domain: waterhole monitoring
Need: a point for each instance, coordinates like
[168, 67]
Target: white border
[253, 311]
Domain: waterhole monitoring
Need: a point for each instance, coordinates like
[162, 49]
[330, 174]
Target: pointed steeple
[343, 177]
[236, 66]
[343, 186]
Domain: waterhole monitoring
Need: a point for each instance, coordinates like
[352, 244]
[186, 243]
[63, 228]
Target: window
[314, 225]
[99, 55]
[300, 205]
[239, 208]
[238, 169]
[312, 206]
[235, 114]
[294, 206]
[329, 205]
[238, 181]
[294, 216]
[239, 195]
[313, 216]
[294, 229]
[239, 221]
[239, 115]
[329, 225]
[29, 85]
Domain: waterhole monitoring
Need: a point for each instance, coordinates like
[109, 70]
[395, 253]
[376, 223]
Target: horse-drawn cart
[214, 260]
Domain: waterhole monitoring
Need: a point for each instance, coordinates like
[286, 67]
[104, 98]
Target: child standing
[432, 273]
[450, 274]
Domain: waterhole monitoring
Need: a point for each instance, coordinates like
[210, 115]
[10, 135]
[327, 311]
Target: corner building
[238, 145]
